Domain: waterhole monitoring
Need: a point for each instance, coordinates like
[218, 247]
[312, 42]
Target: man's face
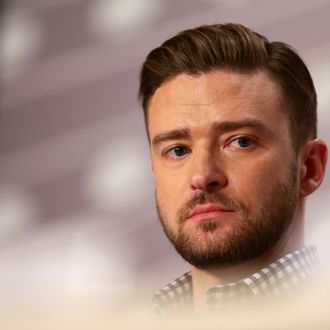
[225, 169]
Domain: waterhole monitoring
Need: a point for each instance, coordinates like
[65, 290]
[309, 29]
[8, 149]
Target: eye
[177, 152]
[243, 142]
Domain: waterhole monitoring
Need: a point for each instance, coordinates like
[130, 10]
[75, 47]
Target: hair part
[234, 47]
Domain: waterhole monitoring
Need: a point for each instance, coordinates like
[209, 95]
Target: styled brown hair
[237, 48]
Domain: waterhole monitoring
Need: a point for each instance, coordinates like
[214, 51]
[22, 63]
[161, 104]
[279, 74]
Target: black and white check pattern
[280, 278]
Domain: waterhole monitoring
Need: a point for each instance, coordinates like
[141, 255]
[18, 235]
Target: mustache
[214, 198]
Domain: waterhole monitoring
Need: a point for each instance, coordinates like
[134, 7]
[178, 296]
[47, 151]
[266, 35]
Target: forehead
[215, 95]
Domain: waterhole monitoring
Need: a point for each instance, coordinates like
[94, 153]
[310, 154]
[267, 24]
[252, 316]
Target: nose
[207, 173]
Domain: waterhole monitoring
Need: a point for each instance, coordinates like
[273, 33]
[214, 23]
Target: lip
[207, 211]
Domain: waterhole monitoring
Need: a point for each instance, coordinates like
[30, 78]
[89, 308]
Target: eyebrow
[181, 133]
[217, 127]
[228, 126]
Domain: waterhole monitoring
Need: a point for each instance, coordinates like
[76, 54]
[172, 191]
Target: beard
[212, 243]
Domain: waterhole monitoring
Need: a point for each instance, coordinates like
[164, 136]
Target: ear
[313, 162]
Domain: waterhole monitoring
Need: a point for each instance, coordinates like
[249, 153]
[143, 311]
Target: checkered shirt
[280, 278]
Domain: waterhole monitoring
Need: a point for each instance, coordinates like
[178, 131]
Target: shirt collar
[278, 278]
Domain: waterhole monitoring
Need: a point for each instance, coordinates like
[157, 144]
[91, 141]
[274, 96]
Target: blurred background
[77, 215]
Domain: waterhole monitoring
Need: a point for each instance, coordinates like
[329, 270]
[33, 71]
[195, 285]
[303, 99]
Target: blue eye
[244, 141]
[180, 151]
[177, 152]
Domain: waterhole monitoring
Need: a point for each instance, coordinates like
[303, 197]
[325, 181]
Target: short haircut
[235, 47]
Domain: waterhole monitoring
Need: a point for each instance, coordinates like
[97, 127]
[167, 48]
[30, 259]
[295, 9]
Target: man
[231, 120]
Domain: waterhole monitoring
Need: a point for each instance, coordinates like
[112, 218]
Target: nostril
[212, 186]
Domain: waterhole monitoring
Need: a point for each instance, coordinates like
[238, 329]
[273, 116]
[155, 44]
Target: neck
[203, 280]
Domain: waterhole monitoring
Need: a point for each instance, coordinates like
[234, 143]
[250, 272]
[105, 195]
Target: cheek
[170, 190]
[169, 181]
[257, 178]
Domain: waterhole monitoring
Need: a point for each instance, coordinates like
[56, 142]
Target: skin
[236, 143]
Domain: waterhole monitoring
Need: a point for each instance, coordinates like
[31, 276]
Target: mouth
[208, 211]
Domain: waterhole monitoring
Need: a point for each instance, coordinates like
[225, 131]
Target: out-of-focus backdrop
[77, 215]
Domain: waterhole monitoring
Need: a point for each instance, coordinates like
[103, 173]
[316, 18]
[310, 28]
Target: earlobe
[314, 160]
